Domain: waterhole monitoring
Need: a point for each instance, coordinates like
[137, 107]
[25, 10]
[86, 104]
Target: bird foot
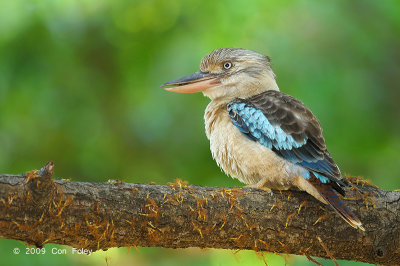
[258, 186]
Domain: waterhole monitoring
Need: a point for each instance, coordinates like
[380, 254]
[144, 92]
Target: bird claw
[258, 186]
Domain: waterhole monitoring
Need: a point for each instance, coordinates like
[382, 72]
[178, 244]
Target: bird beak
[196, 82]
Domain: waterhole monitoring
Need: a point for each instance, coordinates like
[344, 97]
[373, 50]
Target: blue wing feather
[240, 124]
[255, 125]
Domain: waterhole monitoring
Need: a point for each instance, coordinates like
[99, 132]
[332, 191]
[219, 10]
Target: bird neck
[259, 88]
[264, 83]
[214, 110]
[217, 107]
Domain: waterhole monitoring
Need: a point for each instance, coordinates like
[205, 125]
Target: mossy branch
[36, 209]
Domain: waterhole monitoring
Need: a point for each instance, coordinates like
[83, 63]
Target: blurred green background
[79, 85]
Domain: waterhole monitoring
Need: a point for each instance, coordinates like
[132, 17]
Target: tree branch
[37, 210]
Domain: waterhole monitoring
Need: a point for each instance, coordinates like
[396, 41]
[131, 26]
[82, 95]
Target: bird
[263, 137]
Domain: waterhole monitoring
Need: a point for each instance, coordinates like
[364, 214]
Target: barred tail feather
[328, 193]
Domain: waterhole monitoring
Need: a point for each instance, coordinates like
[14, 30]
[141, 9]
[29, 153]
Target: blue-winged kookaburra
[259, 135]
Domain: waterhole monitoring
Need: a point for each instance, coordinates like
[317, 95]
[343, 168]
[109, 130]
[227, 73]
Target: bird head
[228, 73]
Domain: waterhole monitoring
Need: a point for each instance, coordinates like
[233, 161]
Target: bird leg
[260, 185]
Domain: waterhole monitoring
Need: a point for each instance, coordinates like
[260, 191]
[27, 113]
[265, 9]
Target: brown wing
[301, 142]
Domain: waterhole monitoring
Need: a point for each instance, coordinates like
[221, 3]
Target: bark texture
[36, 209]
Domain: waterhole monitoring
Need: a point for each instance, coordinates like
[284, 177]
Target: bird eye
[227, 65]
